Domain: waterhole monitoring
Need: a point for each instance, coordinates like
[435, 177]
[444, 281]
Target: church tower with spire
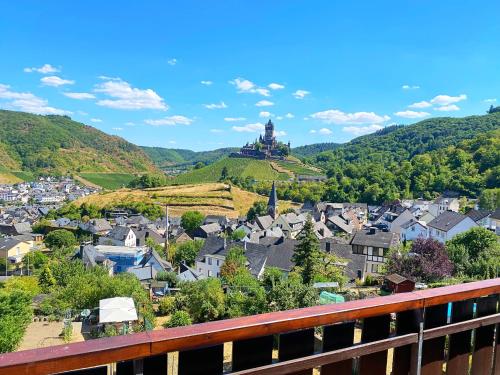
[272, 204]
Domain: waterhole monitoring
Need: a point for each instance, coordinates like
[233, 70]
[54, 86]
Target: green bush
[178, 319]
[166, 305]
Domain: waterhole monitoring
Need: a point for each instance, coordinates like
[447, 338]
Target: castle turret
[269, 133]
[272, 204]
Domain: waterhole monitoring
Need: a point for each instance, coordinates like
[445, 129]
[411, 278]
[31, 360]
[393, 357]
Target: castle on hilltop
[266, 146]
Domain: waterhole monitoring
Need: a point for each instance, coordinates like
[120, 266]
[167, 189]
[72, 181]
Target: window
[217, 262]
[209, 261]
[209, 273]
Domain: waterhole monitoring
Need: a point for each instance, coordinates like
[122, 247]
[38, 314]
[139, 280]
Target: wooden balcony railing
[425, 338]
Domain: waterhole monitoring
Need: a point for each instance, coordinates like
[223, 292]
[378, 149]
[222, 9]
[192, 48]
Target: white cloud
[448, 108]
[249, 128]
[55, 81]
[127, 97]
[95, 120]
[422, 104]
[325, 131]
[130, 123]
[264, 103]
[289, 115]
[335, 116]
[446, 99]
[275, 86]
[300, 94]
[411, 114]
[279, 133]
[216, 131]
[27, 102]
[234, 119]
[117, 129]
[45, 69]
[410, 87]
[170, 121]
[361, 130]
[172, 62]
[492, 100]
[215, 106]
[108, 78]
[246, 86]
[279, 117]
[79, 95]
[265, 114]
[206, 83]
[172, 142]
[312, 131]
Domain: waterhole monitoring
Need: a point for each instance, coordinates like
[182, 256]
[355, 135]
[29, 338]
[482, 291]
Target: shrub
[166, 305]
[178, 319]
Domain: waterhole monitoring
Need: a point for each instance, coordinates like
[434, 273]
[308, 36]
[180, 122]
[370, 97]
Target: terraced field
[258, 169]
[298, 168]
[209, 198]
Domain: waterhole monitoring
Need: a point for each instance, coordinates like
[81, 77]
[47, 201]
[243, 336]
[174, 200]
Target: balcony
[450, 328]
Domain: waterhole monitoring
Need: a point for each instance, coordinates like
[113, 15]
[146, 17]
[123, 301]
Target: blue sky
[208, 74]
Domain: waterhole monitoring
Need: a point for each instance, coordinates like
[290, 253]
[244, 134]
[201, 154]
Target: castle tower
[269, 134]
[272, 204]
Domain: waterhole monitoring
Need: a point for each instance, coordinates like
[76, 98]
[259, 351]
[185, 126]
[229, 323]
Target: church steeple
[272, 204]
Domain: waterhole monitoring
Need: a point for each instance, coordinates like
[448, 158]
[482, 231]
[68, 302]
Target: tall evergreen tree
[307, 252]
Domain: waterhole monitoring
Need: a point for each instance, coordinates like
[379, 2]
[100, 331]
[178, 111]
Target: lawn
[110, 181]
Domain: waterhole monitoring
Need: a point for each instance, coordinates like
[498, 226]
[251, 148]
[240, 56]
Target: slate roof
[152, 254]
[339, 222]
[119, 233]
[143, 273]
[264, 222]
[143, 233]
[377, 239]
[477, 215]
[273, 197]
[211, 228]
[21, 228]
[496, 214]
[447, 220]
[101, 225]
[355, 261]
[8, 243]
[221, 219]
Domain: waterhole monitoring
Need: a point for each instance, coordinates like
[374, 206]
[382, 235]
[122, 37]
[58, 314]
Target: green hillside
[164, 157]
[261, 170]
[402, 142]
[56, 144]
[315, 148]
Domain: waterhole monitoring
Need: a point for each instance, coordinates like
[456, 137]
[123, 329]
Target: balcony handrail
[120, 348]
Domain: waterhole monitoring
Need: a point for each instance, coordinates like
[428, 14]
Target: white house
[413, 229]
[449, 224]
[119, 236]
[443, 204]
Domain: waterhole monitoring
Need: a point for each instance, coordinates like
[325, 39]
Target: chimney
[373, 230]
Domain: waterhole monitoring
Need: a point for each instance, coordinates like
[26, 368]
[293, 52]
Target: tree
[170, 277]
[258, 208]
[191, 220]
[46, 279]
[178, 319]
[187, 252]
[475, 253]
[426, 261]
[245, 295]
[330, 268]
[27, 284]
[290, 293]
[307, 253]
[35, 259]
[238, 235]
[489, 199]
[224, 174]
[234, 262]
[59, 239]
[15, 315]
[205, 299]
[199, 165]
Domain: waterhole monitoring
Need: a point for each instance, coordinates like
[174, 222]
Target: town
[245, 188]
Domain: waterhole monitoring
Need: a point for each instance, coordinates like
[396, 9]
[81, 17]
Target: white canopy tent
[117, 309]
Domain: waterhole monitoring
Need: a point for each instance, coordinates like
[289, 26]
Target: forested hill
[398, 143]
[313, 149]
[164, 157]
[57, 144]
